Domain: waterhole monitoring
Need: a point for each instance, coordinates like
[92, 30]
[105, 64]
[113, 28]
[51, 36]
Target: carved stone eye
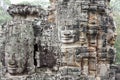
[69, 27]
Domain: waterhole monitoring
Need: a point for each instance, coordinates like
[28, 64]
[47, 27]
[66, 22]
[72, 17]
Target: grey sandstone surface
[72, 40]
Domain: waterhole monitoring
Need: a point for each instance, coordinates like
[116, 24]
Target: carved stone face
[15, 62]
[69, 34]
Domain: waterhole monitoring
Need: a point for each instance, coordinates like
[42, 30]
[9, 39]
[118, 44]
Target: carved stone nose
[11, 62]
[67, 33]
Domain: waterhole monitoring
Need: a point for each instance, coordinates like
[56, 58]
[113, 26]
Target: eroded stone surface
[72, 40]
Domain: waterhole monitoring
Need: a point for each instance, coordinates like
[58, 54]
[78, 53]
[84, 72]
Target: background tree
[115, 5]
[4, 16]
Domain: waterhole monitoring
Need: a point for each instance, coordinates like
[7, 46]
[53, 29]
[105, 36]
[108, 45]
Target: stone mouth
[12, 66]
[66, 37]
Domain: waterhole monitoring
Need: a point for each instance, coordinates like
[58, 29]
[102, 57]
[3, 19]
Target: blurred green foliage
[4, 16]
[115, 5]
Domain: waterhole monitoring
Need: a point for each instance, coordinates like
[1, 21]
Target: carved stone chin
[15, 70]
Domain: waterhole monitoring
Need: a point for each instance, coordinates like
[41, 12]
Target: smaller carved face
[69, 34]
[15, 64]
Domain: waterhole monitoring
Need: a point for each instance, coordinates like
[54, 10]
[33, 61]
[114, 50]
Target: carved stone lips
[12, 66]
[15, 70]
[66, 37]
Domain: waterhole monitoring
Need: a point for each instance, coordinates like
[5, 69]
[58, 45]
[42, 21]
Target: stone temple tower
[87, 36]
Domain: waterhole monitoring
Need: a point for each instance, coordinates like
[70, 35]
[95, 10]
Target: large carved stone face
[15, 62]
[69, 34]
